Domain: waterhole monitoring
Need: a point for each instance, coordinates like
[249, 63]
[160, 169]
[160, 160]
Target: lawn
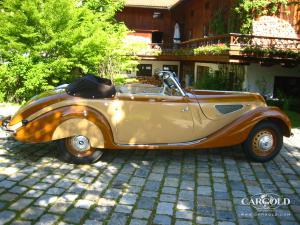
[295, 118]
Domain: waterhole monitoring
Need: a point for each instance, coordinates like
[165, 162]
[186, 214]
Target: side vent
[225, 109]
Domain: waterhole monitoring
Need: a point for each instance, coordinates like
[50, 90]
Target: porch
[229, 48]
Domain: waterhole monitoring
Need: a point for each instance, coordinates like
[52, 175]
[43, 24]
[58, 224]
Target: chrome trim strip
[163, 145]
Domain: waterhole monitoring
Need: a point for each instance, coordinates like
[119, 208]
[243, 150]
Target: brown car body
[199, 119]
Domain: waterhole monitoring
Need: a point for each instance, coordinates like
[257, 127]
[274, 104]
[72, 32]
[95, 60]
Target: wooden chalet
[173, 29]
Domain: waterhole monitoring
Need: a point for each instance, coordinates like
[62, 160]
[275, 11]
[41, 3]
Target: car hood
[225, 95]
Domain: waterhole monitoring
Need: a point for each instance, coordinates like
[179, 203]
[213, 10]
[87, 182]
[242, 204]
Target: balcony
[230, 48]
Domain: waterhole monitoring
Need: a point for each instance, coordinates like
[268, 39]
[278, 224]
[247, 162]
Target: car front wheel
[264, 142]
[77, 150]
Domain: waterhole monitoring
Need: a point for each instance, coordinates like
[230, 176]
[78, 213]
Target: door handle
[185, 109]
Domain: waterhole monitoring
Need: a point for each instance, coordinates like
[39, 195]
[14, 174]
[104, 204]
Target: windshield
[169, 87]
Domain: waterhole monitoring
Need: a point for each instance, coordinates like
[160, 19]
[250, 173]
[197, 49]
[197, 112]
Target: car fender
[80, 126]
[238, 131]
[52, 125]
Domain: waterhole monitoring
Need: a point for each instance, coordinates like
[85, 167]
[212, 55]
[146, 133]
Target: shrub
[219, 80]
[294, 104]
[43, 43]
[211, 50]
[275, 102]
[123, 79]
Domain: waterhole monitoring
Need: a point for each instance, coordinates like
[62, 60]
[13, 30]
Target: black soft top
[91, 86]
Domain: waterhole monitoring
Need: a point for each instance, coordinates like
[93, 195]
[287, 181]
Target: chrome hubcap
[266, 142]
[80, 143]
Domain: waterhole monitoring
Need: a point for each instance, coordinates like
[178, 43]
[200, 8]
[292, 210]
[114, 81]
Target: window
[157, 37]
[287, 86]
[144, 70]
[172, 68]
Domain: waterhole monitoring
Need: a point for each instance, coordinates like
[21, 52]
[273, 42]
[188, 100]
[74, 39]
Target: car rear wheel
[264, 142]
[78, 150]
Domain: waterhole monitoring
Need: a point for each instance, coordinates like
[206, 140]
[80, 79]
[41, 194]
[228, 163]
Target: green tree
[245, 11]
[44, 43]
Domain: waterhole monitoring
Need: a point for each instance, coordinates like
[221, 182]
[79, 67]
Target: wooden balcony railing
[244, 40]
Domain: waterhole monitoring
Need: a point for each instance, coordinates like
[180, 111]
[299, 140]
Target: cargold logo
[266, 202]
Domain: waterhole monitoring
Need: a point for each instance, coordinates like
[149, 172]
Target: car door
[153, 119]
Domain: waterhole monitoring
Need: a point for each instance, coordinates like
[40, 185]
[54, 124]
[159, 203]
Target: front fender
[238, 131]
[51, 125]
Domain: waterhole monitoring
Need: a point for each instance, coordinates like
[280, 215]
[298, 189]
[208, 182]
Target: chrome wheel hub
[266, 142]
[80, 143]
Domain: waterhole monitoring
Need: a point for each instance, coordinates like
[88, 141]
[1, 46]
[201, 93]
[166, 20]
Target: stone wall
[274, 27]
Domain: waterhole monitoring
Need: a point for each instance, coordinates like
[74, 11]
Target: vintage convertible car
[90, 115]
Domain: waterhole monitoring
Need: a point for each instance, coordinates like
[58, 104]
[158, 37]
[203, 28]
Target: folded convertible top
[91, 86]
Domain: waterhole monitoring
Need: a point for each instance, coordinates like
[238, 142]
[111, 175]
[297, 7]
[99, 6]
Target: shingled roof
[158, 4]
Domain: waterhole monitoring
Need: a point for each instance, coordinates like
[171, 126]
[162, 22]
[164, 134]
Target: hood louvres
[225, 109]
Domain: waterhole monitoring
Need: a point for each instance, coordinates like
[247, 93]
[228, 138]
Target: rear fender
[65, 122]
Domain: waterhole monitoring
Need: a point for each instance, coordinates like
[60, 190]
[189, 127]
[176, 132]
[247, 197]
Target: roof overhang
[154, 4]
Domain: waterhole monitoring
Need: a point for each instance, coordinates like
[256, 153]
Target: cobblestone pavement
[145, 187]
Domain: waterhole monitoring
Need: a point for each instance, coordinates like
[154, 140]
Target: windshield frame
[167, 75]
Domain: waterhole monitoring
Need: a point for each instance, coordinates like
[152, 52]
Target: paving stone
[69, 197]
[6, 216]
[223, 205]
[205, 220]
[183, 222]
[84, 204]
[106, 202]
[186, 195]
[188, 215]
[156, 176]
[171, 182]
[169, 190]
[8, 197]
[150, 194]
[20, 222]
[21, 204]
[45, 200]
[74, 215]
[145, 203]
[185, 205]
[128, 199]
[167, 198]
[92, 222]
[152, 186]
[205, 211]
[32, 213]
[48, 219]
[34, 193]
[118, 219]
[138, 222]
[123, 209]
[162, 220]
[113, 193]
[225, 223]
[7, 184]
[137, 181]
[247, 222]
[204, 190]
[141, 213]
[55, 191]
[18, 189]
[100, 213]
[60, 207]
[165, 208]
[225, 215]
